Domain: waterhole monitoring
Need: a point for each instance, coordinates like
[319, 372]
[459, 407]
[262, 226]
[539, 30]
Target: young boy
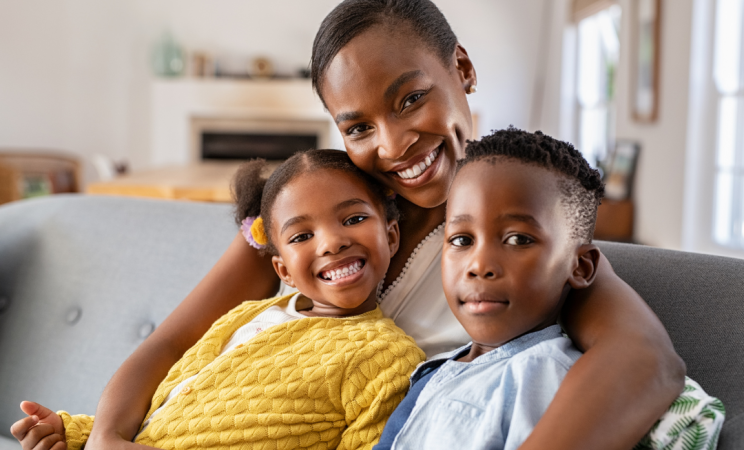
[518, 238]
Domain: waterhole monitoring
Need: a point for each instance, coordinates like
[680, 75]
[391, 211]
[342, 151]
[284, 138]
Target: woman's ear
[393, 235]
[465, 68]
[282, 271]
[586, 269]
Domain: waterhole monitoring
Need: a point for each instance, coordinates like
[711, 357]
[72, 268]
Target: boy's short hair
[581, 187]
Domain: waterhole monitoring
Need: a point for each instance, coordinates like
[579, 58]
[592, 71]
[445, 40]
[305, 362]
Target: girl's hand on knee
[41, 430]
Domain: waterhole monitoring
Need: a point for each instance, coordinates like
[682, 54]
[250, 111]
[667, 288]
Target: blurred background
[160, 98]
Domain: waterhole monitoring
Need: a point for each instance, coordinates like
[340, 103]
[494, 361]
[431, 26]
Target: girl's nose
[331, 243]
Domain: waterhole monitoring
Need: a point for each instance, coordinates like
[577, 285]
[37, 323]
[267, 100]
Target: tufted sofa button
[146, 329]
[73, 315]
[4, 304]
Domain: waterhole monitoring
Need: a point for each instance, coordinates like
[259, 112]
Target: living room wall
[75, 74]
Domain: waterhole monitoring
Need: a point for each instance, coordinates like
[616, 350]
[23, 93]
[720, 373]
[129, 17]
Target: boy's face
[508, 254]
[334, 241]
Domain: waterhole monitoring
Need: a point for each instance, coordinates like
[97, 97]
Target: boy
[518, 238]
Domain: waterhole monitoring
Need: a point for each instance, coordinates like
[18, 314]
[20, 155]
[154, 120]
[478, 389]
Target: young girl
[318, 369]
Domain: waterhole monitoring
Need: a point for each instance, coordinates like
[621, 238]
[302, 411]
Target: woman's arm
[240, 274]
[627, 378]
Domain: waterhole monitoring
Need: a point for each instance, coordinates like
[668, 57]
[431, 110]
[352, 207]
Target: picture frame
[619, 171]
[646, 29]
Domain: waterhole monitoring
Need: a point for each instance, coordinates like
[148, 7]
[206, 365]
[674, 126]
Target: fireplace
[215, 138]
[218, 119]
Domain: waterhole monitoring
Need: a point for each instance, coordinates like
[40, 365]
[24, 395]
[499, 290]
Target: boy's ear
[586, 269]
[282, 271]
[393, 235]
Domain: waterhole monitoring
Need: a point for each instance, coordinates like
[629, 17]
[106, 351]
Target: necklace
[380, 294]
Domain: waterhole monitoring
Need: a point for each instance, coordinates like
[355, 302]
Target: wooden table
[203, 181]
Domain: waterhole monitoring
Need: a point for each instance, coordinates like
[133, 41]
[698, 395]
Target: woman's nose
[394, 140]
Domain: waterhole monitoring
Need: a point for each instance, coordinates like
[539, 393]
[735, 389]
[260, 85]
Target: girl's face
[334, 241]
[403, 115]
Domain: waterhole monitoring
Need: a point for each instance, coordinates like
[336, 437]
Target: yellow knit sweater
[315, 383]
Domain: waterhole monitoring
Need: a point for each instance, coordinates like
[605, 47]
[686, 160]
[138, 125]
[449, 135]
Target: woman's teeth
[342, 272]
[418, 169]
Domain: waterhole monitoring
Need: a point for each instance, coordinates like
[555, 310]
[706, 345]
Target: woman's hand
[627, 378]
[240, 274]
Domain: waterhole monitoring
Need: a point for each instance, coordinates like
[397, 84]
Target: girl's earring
[472, 89]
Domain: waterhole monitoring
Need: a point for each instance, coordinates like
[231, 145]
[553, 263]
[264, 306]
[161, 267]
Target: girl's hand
[41, 430]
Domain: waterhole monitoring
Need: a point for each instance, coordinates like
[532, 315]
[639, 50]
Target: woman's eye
[519, 239]
[354, 220]
[461, 241]
[357, 129]
[300, 238]
[412, 99]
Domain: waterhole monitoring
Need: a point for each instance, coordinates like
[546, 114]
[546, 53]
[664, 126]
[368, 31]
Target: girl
[318, 369]
[395, 79]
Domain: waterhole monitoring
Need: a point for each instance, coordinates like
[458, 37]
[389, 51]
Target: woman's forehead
[371, 62]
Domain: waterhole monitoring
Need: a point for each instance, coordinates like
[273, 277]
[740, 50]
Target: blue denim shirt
[492, 402]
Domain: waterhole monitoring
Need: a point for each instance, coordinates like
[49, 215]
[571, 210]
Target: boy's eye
[355, 220]
[300, 238]
[461, 241]
[518, 239]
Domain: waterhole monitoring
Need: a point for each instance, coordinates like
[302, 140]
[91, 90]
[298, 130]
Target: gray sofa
[84, 280]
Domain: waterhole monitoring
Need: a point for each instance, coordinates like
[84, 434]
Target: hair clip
[253, 231]
[390, 194]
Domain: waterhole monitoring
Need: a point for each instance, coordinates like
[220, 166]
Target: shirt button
[186, 390]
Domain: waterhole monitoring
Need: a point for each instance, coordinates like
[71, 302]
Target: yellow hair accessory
[258, 232]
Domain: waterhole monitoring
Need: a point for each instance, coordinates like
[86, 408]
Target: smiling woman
[395, 79]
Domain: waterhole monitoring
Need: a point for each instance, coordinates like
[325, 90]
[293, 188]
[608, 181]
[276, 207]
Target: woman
[395, 79]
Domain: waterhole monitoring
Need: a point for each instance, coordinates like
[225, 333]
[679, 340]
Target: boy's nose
[483, 265]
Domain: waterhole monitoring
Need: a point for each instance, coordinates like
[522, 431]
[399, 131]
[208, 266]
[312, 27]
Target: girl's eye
[519, 239]
[300, 238]
[357, 129]
[461, 241]
[412, 99]
[355, 220]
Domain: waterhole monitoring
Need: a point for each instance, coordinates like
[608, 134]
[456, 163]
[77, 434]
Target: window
[598, 54]
[728, 227]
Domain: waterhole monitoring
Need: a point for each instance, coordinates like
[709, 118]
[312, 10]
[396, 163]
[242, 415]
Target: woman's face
[402, 113]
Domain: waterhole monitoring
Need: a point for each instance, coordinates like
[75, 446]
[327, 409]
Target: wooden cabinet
[614, 221]
[31, 174]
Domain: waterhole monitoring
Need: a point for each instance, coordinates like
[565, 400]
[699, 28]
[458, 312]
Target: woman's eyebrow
[389, 93]
[400, 81]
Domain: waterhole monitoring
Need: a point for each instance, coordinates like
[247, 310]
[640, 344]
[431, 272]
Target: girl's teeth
[342, 272]
[419, 168]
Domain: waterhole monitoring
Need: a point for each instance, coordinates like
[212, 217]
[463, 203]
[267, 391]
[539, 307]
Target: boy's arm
[627, 378]
[240, 274]
[374, 387]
